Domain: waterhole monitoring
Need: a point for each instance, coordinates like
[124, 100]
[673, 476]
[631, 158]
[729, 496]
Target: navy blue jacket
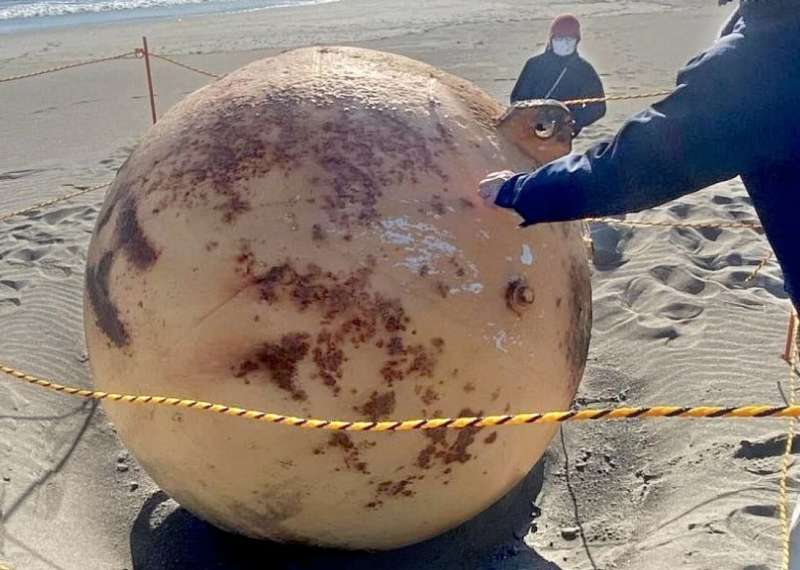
[735, 111]
[542, 78]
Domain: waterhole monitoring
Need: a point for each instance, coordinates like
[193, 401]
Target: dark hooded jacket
[565, 78]
[733, 113]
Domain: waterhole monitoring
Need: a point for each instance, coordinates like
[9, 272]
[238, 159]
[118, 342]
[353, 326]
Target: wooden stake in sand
[146, 55]
[787, 353]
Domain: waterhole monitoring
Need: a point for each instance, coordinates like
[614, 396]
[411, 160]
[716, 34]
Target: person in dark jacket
[734, 112]
[560, 73]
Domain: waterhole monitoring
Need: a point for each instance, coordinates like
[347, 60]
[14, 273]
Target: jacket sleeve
[700, 135]
[592, 112]
[526, 78]
[730, 23]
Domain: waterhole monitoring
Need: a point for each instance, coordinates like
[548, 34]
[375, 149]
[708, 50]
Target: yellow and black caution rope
[625, 97]
[183, 65]
[783, 502]
[126, 55]
[606, 414]
[746, 225]
[47, 203]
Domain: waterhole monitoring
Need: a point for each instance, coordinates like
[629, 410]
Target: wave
[21, 10]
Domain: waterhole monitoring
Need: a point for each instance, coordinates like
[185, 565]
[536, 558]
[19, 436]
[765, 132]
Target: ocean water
[33, 14]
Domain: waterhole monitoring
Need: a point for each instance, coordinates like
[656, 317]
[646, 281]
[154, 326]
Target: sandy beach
[677, 321]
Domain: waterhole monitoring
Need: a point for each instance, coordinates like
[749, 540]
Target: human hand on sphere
[489, 187]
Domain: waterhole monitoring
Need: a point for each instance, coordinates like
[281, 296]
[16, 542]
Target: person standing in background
[560, 73]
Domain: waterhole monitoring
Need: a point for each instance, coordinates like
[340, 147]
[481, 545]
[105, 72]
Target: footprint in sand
[90, 215]
[10, 295]
[767, 447]
[608, 244]
[681, 211]
[642, 295]
[38, 238]
[741, 279]
[34, 257]
[12, 285]
[637, 293]
[53, 217]
[21, 226]
[710, 233]
[9, 305]
[668, 333]
[766, 466]
[678, 278]
[604, 534]
[715, 262]
[681, 311]
[29, 254]
[55, 271]
[753, 522]
[687, 239]
[761, 457]
[742, 214]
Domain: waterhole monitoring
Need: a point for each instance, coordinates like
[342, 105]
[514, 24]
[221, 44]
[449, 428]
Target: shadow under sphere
[167, 537]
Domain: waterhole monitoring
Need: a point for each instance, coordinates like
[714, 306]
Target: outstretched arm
[703, 133]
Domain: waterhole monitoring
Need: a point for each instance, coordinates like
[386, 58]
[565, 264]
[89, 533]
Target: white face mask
[564, 46]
